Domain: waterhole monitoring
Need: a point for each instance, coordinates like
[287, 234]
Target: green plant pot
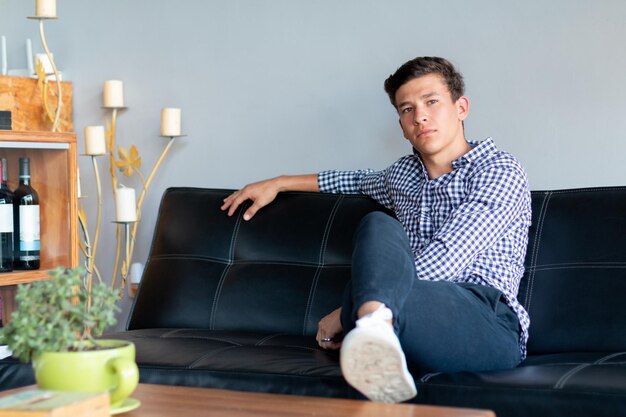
[112, 369]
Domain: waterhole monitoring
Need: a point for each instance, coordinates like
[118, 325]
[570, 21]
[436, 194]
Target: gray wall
[285, 86]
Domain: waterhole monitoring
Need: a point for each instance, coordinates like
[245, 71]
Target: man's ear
[462, 107]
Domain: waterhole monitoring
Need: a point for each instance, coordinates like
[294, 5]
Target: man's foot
[372, 360]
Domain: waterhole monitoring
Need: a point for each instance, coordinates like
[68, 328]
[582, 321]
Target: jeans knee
[376, 222]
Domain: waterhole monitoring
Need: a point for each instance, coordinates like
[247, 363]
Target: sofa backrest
[574, 287]
[287, 267]
[280, 272]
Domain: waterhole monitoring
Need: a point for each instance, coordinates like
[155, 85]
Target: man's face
[430, 120]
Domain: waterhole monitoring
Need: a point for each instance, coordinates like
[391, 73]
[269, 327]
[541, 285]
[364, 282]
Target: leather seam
[220, 284]
[537, 243]
[269, 337]
[320, 263]
[247, 262]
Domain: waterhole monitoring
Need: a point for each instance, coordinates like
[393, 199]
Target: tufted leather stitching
[211, 353]
[581, 265]
[568, 375]
[243, 261]
[218, 290]
[269, 337]
[537, 242]
[320, 262]
[426, 377]
[614, 355]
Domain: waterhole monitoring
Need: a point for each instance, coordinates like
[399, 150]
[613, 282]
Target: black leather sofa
[234, 304]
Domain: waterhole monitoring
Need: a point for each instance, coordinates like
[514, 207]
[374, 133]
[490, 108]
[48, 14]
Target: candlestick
[113, 94]
[94, 141]
[125, 205]
[46, 8]
[170, 122]
[43, 79]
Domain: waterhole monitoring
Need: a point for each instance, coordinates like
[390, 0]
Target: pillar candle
[94, 141]
[80, 193]
[170, 122]
[125, 205]
[4, 56]
[29, 56]
[113, 93]
[46, 8]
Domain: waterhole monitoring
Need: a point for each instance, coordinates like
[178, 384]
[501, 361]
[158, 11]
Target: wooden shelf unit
[53, 162]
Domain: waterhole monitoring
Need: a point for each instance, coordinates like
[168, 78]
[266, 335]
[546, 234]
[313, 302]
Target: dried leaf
[82, 216]
[129, 160]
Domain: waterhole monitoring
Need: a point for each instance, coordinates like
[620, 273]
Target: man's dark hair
[420, 66]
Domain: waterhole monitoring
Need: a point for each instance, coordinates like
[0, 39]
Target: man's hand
[261, 193]
[329, 330]
[264, 192]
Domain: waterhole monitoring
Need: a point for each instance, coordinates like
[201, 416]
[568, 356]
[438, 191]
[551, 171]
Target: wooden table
[173, 401]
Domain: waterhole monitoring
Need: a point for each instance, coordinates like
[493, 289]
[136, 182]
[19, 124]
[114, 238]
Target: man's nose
[420, 117]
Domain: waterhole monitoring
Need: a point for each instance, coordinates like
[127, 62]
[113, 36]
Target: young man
[436, 288]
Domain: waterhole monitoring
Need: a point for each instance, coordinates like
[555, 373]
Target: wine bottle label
[6, 218]
[29, 228]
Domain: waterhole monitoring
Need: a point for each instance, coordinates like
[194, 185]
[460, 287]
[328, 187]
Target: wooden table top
[175, 401]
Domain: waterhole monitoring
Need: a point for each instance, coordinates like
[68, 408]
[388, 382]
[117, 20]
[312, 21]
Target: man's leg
[372, 360]
[442, 326]
[450, 327]
[383, 267]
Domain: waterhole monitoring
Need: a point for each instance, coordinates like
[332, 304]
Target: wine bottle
[25, 221]
[6, 221]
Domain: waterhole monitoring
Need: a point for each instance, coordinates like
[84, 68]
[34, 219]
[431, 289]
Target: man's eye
[406, 110]
[433, 101]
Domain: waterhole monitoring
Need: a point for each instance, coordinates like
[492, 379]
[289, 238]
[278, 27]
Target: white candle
[94, 141]
[113, 93]
[29, 56]
[170, 122]
[46, 8]
[45, 62]
[80, 194]
[4, 56]
[125, 205]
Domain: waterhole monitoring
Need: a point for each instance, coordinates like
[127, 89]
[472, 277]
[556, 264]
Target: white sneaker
[372, 360]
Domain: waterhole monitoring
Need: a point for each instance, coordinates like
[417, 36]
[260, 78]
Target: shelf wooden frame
[54, 168]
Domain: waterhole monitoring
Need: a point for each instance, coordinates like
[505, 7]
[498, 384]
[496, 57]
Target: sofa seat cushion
[572, 384]
[277, 363]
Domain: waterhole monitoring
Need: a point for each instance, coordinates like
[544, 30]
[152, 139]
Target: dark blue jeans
[442, 326]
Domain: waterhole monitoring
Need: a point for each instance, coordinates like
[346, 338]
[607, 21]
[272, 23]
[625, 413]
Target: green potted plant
[56, 325]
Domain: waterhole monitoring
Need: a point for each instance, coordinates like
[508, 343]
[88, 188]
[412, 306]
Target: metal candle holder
[57, 114]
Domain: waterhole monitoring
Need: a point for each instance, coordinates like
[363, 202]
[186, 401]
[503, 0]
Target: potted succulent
[56, 325]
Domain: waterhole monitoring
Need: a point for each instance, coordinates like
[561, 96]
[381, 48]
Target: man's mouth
[425, 132]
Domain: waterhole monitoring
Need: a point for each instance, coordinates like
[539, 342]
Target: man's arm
[264, 192]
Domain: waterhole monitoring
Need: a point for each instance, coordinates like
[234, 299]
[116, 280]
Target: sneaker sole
[376, 368]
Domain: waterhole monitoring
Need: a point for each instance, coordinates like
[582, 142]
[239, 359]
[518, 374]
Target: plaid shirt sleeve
[496, 197]
[365, 181]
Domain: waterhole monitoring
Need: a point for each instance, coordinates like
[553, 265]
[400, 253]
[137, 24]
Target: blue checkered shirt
[469, 225]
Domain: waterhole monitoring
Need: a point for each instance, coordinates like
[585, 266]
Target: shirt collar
[479, 150]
